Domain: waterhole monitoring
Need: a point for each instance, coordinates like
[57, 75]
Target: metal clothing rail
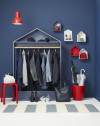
[37, 47]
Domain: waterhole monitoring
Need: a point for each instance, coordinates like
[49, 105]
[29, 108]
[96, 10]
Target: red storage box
[78, 92]
[74, 51]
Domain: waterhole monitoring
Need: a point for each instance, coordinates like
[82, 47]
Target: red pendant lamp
[17, 20]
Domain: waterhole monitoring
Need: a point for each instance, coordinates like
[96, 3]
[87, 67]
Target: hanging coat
[19, 69]
[55, 76]
[48, 67]
[28, 66]
[43, 66]
[33, 68]
[25, 76]
[38, 67]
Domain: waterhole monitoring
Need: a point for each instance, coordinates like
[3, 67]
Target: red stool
[3, 91]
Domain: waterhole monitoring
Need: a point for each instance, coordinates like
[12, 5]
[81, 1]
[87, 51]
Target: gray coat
[33, 68]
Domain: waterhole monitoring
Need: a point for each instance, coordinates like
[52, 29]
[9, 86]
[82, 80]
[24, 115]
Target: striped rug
[48, 108]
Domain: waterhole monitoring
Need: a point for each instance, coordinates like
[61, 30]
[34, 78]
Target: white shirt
[25, 77]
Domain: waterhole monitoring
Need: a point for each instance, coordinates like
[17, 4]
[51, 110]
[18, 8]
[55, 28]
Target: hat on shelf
[47, 39]
[31, 39]
[44, 40]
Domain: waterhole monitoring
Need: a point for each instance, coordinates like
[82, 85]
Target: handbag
[63, 94]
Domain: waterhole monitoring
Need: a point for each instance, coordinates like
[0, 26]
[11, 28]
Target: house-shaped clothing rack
[37, 34]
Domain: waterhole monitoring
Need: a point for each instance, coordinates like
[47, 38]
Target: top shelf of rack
[37, 44]
[35, 36]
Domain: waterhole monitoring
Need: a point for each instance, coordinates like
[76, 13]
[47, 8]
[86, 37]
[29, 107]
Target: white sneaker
[47, 98]
[42, 99]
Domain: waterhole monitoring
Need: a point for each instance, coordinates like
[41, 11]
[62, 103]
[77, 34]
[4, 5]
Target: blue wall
[97, 51]
[76, 15]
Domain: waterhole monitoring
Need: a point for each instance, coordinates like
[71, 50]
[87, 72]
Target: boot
[32, 97]
[36, 97]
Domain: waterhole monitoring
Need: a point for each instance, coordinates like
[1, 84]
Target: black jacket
[55, 76]
[38, 67]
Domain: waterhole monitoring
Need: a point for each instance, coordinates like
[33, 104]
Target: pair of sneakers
[34, 97]
[45, 99]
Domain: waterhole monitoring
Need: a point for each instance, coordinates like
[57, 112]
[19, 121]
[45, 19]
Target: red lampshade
[17, 20]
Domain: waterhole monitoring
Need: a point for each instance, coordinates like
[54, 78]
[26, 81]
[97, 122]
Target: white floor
[55, 119]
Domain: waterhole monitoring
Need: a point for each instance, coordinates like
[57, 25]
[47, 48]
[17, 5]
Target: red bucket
[78, 92]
